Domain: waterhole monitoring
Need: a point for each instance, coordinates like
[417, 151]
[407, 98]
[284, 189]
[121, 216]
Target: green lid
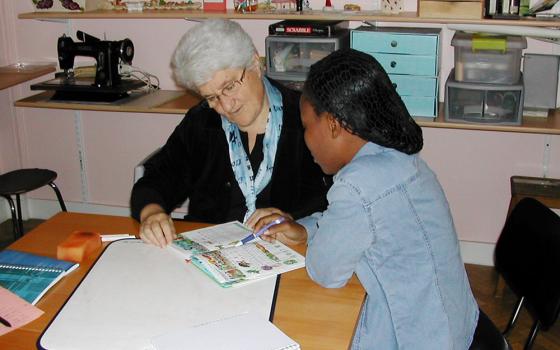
[489, 42]
[481, 41]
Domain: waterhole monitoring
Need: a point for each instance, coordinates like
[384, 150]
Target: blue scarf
[250, 184]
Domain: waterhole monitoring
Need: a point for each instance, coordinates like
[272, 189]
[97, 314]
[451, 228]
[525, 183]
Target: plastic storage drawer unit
[410, 56]
[487, 59]
[483, 103]
[288, 58]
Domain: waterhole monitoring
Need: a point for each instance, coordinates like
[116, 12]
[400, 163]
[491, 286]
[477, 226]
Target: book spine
[29, 268]
[505, 6]
[489, 8]
[514, 7]
[499, 7]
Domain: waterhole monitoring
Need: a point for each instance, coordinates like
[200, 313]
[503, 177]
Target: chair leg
[19, 216]
[59, 196]
[532, 335]
[514, 316]
[14, 217]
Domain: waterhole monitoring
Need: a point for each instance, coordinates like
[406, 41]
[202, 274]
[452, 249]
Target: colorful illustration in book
[244, 263]
[223, 264]
[267, 252]
[190, 246]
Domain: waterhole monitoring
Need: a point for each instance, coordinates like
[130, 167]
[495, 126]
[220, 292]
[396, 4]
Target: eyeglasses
[229, 90]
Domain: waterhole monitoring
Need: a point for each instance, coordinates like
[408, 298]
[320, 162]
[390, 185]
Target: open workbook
[216, 251]
[30, 276]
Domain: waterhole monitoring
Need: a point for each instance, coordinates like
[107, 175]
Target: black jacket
[195, 164]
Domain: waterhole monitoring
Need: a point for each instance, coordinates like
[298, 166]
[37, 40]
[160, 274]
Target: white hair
[208, 47]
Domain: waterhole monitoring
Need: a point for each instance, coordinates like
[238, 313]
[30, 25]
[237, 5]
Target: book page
[241, 332]
[210, 238]
[16, 311]
[258, 259]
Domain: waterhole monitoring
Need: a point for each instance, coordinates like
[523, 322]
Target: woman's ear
[334, 125]
[257, 64]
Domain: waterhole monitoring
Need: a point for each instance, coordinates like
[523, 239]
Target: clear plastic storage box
[288, 58]
[483, 103]
[488, 59]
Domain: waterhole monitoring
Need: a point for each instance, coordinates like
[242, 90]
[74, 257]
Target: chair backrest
[527, 255]
[180, 212]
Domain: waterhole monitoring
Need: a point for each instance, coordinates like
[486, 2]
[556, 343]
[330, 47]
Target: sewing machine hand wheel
[126, 50]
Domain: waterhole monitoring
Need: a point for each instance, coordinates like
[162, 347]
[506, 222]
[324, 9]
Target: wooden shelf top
[280, 15]
[530, 125]
[179, 102]
[159, 101]
[18, 73]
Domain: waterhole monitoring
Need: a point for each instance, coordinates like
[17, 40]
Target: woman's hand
[156, 227]
[288, 232]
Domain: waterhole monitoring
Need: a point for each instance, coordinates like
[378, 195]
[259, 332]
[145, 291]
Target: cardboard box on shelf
[469, 9]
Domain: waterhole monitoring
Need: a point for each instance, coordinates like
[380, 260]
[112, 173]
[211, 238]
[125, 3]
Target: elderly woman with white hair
[237, 155]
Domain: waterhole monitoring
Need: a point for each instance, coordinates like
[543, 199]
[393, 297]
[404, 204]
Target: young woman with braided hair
[388, 220]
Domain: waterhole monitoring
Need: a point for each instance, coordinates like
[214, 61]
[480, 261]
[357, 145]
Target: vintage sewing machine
[107, 85]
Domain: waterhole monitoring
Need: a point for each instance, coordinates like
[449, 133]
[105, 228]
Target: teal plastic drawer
[420, 106]
[407, 64]
[395, 43]
[409, 85]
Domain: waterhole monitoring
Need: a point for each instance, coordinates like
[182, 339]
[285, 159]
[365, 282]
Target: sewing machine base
[84, 89]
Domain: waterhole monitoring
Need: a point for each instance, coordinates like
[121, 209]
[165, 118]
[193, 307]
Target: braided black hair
[356, 90]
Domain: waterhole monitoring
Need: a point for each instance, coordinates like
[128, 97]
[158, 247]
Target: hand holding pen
[288, 232]
[263, 229]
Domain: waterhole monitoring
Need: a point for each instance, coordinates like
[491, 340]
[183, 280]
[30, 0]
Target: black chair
[545, 190]
[487, 336]
[527, 256]
[17, 182]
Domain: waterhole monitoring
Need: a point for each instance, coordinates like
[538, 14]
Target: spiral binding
[29, 268]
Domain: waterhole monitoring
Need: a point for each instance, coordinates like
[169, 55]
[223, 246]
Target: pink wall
[474, 167]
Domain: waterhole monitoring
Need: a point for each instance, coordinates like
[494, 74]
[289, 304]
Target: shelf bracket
[79, 134]
[546, 155]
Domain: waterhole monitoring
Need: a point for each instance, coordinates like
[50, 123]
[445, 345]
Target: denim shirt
[389, 222]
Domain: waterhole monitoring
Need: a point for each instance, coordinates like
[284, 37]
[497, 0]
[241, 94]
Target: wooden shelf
[18, 73]
[530, 125]
[306, 15]
[179, 102]
[160, 101]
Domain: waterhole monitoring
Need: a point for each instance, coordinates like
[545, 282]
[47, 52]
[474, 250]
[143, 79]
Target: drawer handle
[393, 64]
[395, 86]
[394, 43]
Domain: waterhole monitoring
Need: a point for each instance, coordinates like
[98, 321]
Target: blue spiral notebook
[30, 276]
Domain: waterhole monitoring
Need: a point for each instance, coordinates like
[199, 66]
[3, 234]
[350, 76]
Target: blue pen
[261, 231]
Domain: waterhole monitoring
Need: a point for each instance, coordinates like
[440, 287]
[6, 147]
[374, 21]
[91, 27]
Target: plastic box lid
[482, 41]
